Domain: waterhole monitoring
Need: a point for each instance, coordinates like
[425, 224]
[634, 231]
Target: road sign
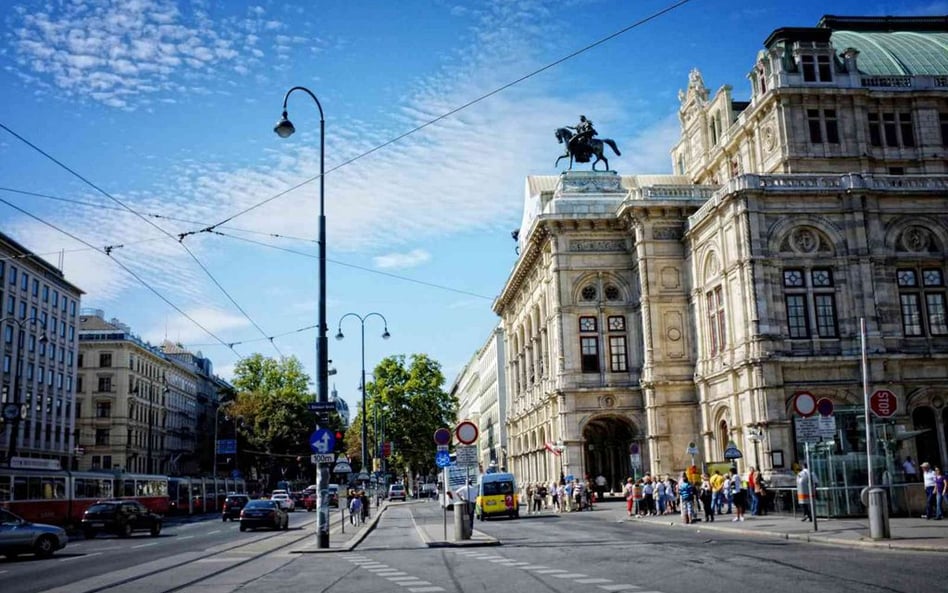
[321, 406]
[386, 448]
[322, 441]
[634, 449]
[226, 446]
[442, 436]
[804, 403]
[466, 456]
[824, 406]
[362, 477]
[317, 458]
[692, 449]
[732, 452]
[883, 403]
[466, 432]
[442, 459]
[816, 429]
[342, 467]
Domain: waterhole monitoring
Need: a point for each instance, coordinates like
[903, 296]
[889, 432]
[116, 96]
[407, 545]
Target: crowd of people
[563, 496]
[357, 501]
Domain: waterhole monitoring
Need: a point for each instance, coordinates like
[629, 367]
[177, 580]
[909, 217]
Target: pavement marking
[549, 571]
[66, 559]
[619, 587]
[215, 531]
[519, 564]
[571, 575]
[534, 567]
[426, 589]
[144, 545]
[412, 583]
[404, 578]
[593, 581]
[185, 537]
[391, 573]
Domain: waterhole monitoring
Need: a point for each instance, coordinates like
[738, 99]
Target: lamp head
[284, 128]
[339, 334]
[43, 339]
[386, 335]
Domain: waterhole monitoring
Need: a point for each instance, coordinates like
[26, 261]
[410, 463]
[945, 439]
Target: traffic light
[340, 441]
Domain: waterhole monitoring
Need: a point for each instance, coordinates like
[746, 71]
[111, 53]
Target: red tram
[61, 497]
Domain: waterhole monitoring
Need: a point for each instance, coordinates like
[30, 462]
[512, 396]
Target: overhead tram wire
[149, 214]
[129, 271]
[470, 103]
[149, 222]
[357, 267]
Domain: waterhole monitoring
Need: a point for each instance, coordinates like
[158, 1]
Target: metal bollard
[878, 514]
[462, 522]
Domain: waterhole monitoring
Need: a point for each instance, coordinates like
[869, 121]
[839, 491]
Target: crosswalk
[415, 584]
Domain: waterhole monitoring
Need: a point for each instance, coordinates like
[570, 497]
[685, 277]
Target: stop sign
[883, 403]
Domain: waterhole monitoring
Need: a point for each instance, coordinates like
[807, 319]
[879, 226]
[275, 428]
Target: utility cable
[418, 128]
[133, 211]
[132, 273]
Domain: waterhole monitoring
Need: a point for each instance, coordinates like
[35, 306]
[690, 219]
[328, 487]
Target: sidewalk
[437, 534]
[905, 533]
[343, 536]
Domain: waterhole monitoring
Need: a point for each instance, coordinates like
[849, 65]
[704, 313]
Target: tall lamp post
[11, 410]
[385, 336]
[756, 436]
[285, 129]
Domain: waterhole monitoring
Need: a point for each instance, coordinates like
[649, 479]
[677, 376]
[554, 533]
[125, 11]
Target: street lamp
[285, 129]
[558, 448]
[385, 336]
[11, 410]
[756, 436]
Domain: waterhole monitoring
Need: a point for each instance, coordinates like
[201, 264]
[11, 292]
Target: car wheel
[125, 530]
[88, 532]
[45, 546]
[243, 527]
[156, 529]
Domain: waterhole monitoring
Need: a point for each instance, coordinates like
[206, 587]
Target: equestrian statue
[581, 146]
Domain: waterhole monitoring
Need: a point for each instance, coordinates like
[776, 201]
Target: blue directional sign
[442, 459]
[322, 441]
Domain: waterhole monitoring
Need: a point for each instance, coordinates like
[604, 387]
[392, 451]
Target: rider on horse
[584, 133]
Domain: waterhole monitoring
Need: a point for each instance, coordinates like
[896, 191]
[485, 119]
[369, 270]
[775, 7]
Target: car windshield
[100, 507]
[397, 488]
[259, 504]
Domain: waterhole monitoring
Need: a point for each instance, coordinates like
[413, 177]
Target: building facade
[136, 408]
[481, 390]
[647, 314]
[39, 347]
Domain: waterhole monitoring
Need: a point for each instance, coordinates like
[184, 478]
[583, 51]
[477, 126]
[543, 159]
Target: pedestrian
[908, 467]
[468, 495]
[629, 498]
[928, 478]
[355, 510]
[706, 496]
[941, 490]
[365, 505]
[803, 492]
[686, 493]
[555, 496]
[737, 495]
[601, 487]
[751, 490]
[717, 491]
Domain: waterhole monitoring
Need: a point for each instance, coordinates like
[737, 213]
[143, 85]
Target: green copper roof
[900, 53]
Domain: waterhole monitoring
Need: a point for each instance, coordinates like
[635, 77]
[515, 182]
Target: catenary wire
[470, 103]
[149, 222]
[129, 271]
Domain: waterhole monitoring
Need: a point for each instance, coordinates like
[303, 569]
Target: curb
[483, 540]
[808, 538]
[354, 541]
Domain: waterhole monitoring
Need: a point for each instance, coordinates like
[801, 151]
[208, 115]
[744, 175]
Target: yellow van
[497, 496]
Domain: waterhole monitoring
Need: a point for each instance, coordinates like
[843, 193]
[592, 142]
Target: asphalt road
[578, 552]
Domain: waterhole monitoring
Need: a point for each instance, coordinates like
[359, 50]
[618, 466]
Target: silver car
[19, 536]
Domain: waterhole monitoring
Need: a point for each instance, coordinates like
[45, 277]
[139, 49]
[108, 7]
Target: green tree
[411, 405]
[271, 412]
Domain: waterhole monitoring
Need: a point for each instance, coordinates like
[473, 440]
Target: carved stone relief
[916, 239]
[668, 233]
[670, 278]
[597, 245]
[674, 346]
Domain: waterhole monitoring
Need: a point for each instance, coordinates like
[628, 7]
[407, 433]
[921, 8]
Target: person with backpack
[686, 494]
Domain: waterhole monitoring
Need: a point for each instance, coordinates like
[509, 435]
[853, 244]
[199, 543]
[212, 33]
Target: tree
[412, 405]
[271, 409]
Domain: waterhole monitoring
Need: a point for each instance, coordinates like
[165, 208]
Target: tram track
[177, 566]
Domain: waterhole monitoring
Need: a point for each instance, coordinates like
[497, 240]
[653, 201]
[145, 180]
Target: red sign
[466, 432]
[804, 403]
[883, 403]
[386, 448]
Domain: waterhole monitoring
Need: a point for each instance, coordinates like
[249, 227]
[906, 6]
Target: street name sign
[321, 406]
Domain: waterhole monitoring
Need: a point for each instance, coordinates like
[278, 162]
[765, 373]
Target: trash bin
[462, 521]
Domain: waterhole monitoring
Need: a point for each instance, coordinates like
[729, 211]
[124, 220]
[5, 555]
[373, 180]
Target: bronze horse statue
[583, 152]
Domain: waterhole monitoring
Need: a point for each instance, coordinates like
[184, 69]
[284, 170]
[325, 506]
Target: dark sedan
[263, 513]
[121, 517]
[233, 504]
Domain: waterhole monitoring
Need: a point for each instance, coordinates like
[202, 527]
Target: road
[578, 552]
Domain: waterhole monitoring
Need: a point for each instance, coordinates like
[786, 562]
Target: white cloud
[412, 259]
[178, 328]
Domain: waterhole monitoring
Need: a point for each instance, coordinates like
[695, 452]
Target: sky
[135, 124]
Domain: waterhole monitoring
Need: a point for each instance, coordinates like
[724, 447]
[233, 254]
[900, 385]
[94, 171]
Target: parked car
[19, 536]
[121, 517]
[263, 513]
[285, 501]
[396, 492]
[233, 504]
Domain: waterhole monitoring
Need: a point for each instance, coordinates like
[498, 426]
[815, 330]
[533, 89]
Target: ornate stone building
[649, 313]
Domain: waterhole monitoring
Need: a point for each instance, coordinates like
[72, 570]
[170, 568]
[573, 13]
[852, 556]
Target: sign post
[322, 442]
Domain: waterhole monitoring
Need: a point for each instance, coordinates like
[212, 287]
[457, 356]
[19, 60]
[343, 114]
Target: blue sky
[169, 107]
